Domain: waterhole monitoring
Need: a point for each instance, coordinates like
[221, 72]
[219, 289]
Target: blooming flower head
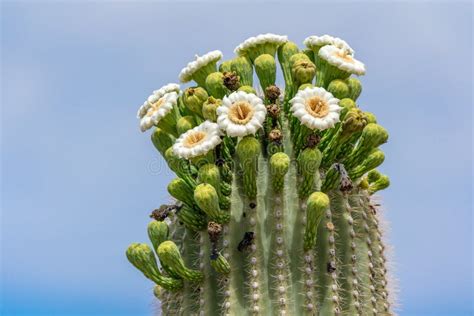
[260, 44]
[241, 114]
[197, 141]
[157, 94]
[156, 108]
[340, 59]
[199, 68]
[315, 108]
[316, 42]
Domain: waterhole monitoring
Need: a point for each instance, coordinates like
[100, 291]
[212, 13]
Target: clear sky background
[79, 179]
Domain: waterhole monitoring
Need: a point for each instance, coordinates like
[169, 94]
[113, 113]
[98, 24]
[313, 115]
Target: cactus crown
[274, 212]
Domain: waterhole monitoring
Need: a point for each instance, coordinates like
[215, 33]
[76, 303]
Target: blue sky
[79, 179]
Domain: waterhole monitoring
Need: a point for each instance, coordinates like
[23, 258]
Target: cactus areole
[274, 211]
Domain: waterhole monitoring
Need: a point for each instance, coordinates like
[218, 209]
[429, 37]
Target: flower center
[317, 107]
[241, 112]
[344, 56]
[194, 138]
[155, 106]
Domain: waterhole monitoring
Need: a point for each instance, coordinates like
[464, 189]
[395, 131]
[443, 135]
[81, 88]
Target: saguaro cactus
[274, 212]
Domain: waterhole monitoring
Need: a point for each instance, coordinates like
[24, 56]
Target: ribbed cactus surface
[273, 211]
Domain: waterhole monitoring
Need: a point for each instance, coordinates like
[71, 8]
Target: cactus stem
[191, 258]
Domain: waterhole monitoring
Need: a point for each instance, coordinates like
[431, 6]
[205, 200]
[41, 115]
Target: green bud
[373, 135]
[248, 150]
[373, 175]
[302, 71]
[243, 67]
[355, 88]
[380, 184]
[265, 68]
[225, 66]
[339, 89]
[279, 165]
[306, 85]
[285, 52]
[346, 105]
[215, 85]
[247, 89]
[220, 264]
[374, 160]
[162, 140]
[143, 258]
[317, 205]
[205, 196]
[157, 232]
[169, 254]
[180, 190]
[194, 98]
[193, 219]
[209, 109]
[370, 117]
[210, 174]
[308, 166]
[354, 121]
[185, 124]
[179, 166]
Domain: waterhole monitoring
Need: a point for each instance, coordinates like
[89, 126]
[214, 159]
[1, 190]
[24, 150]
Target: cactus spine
[273, 211]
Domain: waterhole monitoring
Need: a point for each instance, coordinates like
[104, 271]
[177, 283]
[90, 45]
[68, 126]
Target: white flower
[241, 114]
[318, 41]
[187, 72]
[197, 141]
[260, 39]
[156, 109]
[157, 94]
[316, 108]
[340, 59]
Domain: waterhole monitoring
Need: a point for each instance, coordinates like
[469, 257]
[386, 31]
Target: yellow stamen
[317, 107]
[241, 112]
[194, 138]
[155, 106]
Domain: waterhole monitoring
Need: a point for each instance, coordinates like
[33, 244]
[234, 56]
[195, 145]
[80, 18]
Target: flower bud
[354, 121]
[373, 176]
[194, 98]
[220, 264]
[285, 52]
[380, 184]
[185, 123]
[215, 85]
[279, 165]
[355, 88]
[193, 219]
[162, 140]
[370, 117]
[169, 254]
[243, 68]
[308, 166]
[209, 109]
[375, 159]
[247, 89]
[373, 135]
[317, 205]
[248, 150]
[143, 258]
[339, 89]
[303, 71]
[209, 173]
[304, 86]
[225, 66]
[157, 232]
[346, 105]
[265, 68]
[205, 196]
[180, 190]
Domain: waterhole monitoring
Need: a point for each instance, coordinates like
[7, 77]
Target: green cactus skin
[283, 222]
